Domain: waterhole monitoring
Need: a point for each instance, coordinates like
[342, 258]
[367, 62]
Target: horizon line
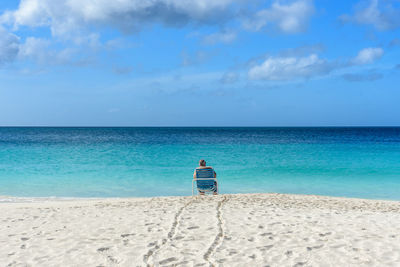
[172, 126]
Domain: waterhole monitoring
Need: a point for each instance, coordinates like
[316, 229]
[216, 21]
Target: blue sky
[199, 63]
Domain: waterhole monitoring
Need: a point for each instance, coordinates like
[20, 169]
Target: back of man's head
[202, 162]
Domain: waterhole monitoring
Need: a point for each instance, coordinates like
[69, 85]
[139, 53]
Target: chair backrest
[205, 184]
[205, 173]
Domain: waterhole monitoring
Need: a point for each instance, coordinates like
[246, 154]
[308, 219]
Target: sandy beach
[225, 230]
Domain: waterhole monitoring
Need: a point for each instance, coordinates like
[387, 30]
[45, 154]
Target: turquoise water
[129, 162]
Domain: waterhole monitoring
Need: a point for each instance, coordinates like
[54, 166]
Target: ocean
[361, 162]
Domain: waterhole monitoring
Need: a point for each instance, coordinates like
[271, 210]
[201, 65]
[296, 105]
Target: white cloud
[294, 66]
[381, 14]
[289, 68]
[220, 37]
[367, 56]
[41, 51]
[9, 46]
[66, 18]
[289, 18]
[38, 50]
[33, 46]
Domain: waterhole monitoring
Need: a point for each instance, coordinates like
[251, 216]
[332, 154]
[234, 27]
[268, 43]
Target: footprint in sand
[168, 260]
[264, 248]
[126, 235]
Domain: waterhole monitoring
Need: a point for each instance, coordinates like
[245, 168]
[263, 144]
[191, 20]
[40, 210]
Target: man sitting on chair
[214, 186]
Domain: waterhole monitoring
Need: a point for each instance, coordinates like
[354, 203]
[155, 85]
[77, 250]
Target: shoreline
[16, 199]
[230, 230]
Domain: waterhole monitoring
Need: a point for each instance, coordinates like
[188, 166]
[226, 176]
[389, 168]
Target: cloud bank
[287, 18]
[382, 15]
[288, 68]
[75, 23]
[284, 68]
[9, 46]
[69, 16]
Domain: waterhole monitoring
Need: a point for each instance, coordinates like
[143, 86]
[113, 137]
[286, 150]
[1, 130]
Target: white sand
[226, 230]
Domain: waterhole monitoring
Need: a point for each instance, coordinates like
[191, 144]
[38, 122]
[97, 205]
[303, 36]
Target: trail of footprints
[220, 235]
[194, 209]
[170, 235]
[203, 231]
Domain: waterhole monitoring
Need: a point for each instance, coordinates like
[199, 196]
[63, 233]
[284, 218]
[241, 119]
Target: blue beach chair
[206, 182]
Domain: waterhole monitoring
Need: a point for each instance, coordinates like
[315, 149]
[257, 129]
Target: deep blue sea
[135, 162]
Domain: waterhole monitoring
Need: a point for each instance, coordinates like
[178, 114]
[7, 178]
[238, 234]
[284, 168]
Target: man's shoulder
[204, 167]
